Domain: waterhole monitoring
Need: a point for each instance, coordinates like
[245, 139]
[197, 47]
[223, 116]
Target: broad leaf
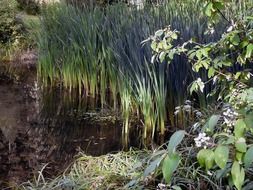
[158, 33]
[201, 156]
[239, 128]
[211, 72]
[175, 140]
[170, 164]
[238, 175]
[212, 122]
[205, 158]
[241, 145]
[249, 120]
[208, 9]
[210, 160]
[235, 39]
[249, 51]
[221, 154]
[152, 166]
[248, 158]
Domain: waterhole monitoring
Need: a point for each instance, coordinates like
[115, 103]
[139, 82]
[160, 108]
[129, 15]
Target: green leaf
[237, 75]
[211, 72]
[235, 39]
[218, 5]
[152, 166]
[205, 158]
[248, 158]
[208, 9]
[249, 51]
[175, 187]
[239, 128]
[238, 175]
[201, 156]
[194, 87]
[170, 164]
[153, 45]
[241, 145]
[209, 160]
[159, 33]
[230, 140]
[205, 63]
[238, 156]
[212, 122]
[162, 56]
[174, 36]
[175, 140]
[221, 154]
[221, 173]
[205, 51]
[171, 54]
[197, 66]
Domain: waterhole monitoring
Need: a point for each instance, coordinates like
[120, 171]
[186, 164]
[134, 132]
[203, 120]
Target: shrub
[30, 6]
[224, 142]
[8, 27]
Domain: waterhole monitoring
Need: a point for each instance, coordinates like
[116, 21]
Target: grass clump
[111, 171]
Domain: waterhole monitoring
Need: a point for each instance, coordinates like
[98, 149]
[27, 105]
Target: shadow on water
[50, 126]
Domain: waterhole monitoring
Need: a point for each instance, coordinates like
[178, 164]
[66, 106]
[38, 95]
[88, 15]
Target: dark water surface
[49, 127]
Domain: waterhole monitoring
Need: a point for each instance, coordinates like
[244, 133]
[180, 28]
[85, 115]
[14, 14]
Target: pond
[39, 127]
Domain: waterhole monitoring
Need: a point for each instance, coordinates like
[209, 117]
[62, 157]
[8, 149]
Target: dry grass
[111, 171]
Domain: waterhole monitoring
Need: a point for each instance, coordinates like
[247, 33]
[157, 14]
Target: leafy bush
[30, 6]
[8, 28]
[224, 143]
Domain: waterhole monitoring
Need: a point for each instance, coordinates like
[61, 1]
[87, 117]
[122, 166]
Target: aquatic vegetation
[95, 50]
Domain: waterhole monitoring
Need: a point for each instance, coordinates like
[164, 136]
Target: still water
[39, 127]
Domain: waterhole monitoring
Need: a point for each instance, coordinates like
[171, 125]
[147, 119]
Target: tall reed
[99, 52]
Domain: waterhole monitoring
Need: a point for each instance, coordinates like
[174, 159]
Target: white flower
[202, 140]
[177, 108]
[187, 102]
[199, 80]
[161, 186]
[187, 108]
[233, 25]
[176, 112]
[198, 144]
[229, 117]
[215, 79]
[230, 28]
[199, 114]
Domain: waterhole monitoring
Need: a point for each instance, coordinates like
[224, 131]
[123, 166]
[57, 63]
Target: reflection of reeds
[96, 51]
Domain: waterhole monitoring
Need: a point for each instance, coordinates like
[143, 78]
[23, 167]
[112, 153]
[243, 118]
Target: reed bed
[98, 52]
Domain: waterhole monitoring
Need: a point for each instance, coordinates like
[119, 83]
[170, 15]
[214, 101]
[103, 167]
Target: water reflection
[50, 126]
